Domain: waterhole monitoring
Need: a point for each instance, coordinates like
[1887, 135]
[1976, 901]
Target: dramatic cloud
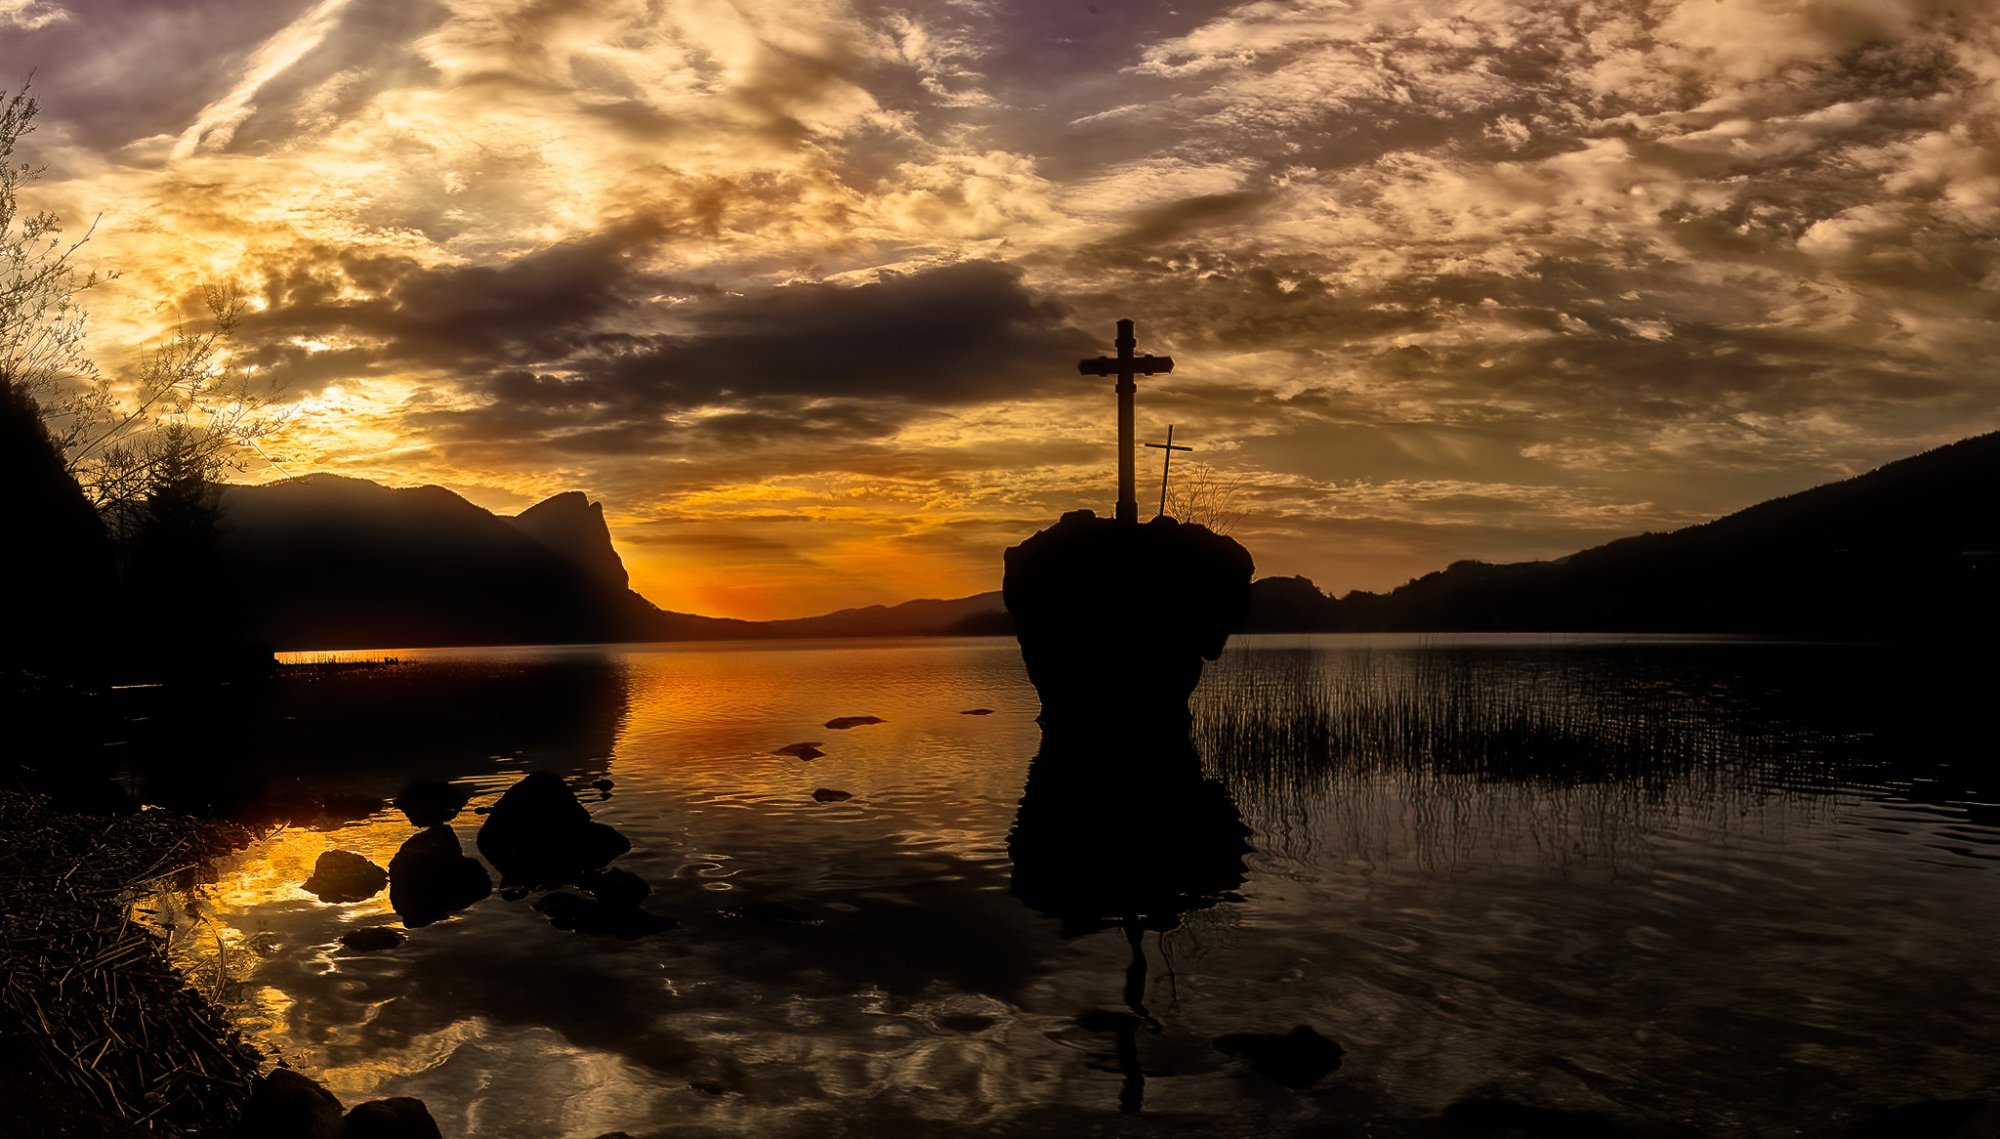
[798, 288]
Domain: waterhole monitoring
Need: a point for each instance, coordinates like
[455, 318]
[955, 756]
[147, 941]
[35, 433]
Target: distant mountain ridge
[1911, 548]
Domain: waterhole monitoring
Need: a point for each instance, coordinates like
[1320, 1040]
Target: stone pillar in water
[1115, 620]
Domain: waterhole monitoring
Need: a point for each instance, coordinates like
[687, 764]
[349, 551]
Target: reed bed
[87, 994]
[1289, 724]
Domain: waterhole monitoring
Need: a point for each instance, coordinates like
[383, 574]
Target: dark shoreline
[98, 1031]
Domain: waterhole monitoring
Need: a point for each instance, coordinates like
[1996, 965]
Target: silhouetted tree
[185, 613]
[110, 439]
[41, 323]
[144, 453]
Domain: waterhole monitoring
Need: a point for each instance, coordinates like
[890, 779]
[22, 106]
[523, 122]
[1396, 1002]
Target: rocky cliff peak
[573, 526]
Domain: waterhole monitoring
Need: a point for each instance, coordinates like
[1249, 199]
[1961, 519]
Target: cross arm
[1135, 365]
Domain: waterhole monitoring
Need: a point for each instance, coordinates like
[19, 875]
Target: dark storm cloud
[960, 334]
[556, 346]
[1173, 221]
[495, 325]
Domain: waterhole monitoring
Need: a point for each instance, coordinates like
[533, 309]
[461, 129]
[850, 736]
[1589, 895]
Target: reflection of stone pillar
[1121, 829]
[1114, 621]
[1123, 832]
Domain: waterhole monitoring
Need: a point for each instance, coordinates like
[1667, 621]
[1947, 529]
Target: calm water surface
[1695, 887]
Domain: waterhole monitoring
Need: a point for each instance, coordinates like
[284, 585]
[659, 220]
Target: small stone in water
[842, 723]
[344, 876]
[808, 750]
[829, 795]
[373, 939]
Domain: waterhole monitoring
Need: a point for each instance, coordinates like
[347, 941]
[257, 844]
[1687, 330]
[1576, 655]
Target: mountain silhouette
[330, 562]
[572, 526]
[1912, 548]
[1908, 549]
[927, 617]
[325, 562]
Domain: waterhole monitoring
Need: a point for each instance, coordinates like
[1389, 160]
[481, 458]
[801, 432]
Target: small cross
[1167, 463]
[1125, 366]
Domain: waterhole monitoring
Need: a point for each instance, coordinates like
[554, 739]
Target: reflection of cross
[1125, 366]
[1168, 463]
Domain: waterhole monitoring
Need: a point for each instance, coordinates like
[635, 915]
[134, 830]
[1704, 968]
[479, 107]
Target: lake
[1671, 885]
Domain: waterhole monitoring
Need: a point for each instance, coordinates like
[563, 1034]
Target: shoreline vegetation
[102, 1035]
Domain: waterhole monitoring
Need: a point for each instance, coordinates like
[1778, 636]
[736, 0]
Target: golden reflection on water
[697, 779]
[1440, 925]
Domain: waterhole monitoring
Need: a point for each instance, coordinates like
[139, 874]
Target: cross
[1167, 464]
[1125, 366]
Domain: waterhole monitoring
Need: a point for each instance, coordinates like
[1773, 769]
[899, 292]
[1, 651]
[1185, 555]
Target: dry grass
[86, 993]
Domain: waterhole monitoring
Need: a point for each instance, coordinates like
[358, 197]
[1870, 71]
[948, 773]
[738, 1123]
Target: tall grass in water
[1463, 734]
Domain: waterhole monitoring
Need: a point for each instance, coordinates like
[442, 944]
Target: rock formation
[344, 876]
[572, 527]
[430, 878]
[539, 835]
[1115, 620]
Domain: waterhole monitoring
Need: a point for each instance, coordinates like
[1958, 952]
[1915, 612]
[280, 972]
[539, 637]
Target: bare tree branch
[1206, 497]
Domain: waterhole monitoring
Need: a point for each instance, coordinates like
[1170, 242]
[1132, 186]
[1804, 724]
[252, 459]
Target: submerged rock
[571, 911]
[1298, 1059]
[539, 834]
[432, 802]
[977, 712]
[829, 795]
[431, 878]
[842, 723]
[398, 1117]
[616, 887]
[373, 939]
[808, 751]
[1115, 619]
[344, 876]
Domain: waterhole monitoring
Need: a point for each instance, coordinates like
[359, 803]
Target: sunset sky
[797, 288]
